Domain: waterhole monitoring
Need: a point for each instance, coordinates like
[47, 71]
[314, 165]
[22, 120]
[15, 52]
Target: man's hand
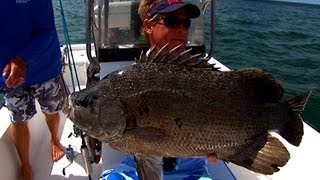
[213, 158]
[15, 72]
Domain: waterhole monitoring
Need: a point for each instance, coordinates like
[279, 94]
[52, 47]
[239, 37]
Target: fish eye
[88, 101]
[91, 99]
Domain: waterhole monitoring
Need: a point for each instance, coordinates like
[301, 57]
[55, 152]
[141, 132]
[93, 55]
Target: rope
[71, 68]
[69, 50]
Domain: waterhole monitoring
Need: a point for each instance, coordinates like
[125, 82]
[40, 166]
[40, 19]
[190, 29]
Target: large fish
[172, 105]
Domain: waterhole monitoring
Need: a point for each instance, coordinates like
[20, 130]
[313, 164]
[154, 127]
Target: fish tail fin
[292, 130]
[265, 160]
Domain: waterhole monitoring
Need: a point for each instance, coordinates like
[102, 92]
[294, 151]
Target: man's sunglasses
[175, 21]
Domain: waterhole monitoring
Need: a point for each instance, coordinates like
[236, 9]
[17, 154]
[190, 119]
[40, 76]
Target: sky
[303, 1]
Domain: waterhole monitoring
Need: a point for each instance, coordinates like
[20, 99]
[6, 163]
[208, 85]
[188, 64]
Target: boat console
[117, 31]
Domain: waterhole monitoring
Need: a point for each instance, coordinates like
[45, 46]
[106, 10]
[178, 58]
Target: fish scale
[164, 109]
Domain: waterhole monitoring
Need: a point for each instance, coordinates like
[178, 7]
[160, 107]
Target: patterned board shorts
[50, 95]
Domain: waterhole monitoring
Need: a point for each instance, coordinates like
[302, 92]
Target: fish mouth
[115, 134]
[77, 113]
[100, 134]
[107, 138]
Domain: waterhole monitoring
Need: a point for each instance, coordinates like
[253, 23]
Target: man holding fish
[168, 22]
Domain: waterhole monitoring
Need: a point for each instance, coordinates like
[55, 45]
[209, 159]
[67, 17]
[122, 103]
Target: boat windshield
[122, 25]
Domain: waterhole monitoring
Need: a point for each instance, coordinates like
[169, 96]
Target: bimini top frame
[114, 29]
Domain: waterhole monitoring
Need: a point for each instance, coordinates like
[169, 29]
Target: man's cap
[168, 6]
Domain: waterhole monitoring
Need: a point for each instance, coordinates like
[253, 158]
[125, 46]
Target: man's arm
[44, 36]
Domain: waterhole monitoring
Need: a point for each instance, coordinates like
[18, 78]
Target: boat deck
[303, 163]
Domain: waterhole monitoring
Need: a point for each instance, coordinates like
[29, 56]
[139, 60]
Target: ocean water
[280, 38]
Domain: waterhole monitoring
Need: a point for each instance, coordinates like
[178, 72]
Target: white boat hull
[302, 164]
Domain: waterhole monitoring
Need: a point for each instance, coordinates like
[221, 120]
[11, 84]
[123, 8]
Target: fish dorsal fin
[264, 86]
[149, 167]
[173, 56]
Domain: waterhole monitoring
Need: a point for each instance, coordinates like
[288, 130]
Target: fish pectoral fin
[146, 133]
[149, 167]
[265, 160]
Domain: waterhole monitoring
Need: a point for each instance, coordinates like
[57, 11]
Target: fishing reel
[76, 132]
[70, 154]
[90, 150]
[94, 145]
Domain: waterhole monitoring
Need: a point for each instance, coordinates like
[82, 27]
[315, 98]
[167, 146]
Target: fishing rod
[90, 150]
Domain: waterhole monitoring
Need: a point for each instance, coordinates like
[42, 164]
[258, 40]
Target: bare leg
[21, 137]
[53, 121]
